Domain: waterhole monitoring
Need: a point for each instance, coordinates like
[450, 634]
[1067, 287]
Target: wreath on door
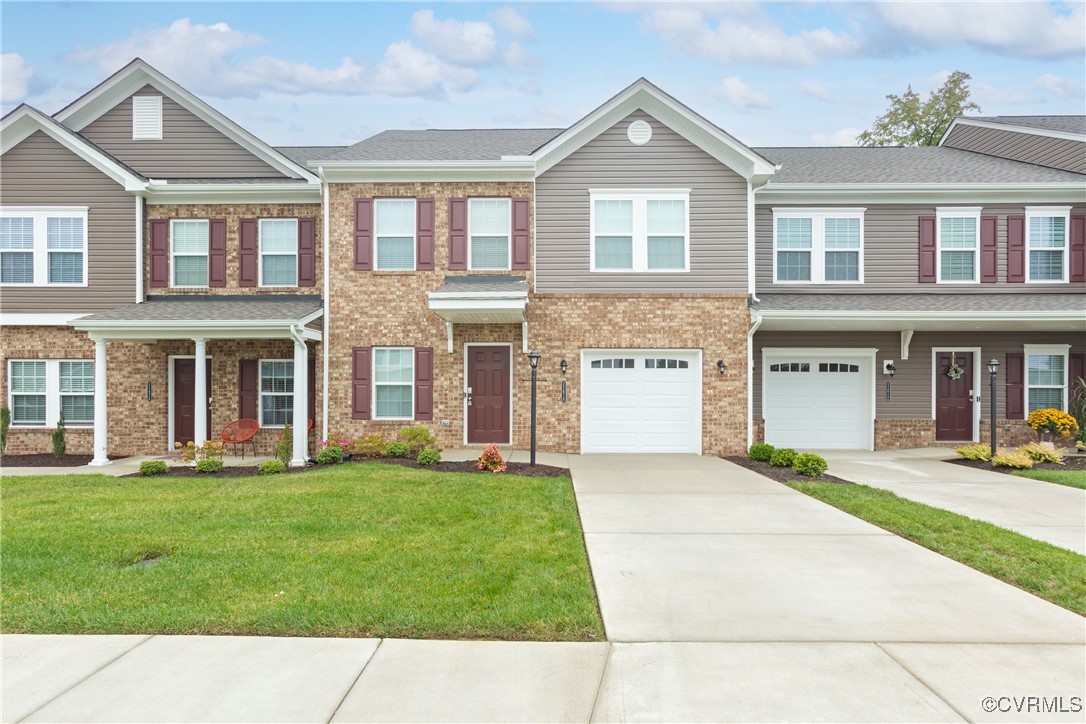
[954, 372]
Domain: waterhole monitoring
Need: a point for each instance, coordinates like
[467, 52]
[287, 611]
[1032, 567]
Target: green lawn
[1070, 478]
[355, 550]
[1048, 571]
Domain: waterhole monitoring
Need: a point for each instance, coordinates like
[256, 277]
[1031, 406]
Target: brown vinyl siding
[41, 172]
[891, 258]
[718, 213]
[189, 148]
[1031, 148]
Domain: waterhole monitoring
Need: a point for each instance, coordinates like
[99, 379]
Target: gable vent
[146, 118]
[639, 133]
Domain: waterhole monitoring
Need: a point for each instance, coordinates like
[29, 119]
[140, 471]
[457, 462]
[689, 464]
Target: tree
[910, 122]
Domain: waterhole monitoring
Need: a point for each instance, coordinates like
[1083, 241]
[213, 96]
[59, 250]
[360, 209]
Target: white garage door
[817, 401]
[644, 402]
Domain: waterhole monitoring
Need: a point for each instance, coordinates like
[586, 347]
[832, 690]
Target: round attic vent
[639, 133]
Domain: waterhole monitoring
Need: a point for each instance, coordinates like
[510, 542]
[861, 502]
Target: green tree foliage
[912, 122]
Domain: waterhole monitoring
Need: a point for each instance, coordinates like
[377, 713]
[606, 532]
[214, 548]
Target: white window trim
[818, 218]
[41, 215]
[373, 393]
[52, 395]
[1063, 212]
[414, 235]
[206, 255]
[640, 199]
[508, 237]
[260, 252]
[1061, 350]
[260, 392]
[151, 105]
[965, 212]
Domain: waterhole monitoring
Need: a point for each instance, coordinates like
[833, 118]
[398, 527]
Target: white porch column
[301, 399]
[199, 412]
[101, 444]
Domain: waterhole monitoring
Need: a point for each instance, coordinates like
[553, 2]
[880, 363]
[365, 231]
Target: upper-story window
[957, 234]
[146, 118]
[188, 249]
[43, 246]
[278, 252]
[394, 233]
[489, 225]
[822, 246]
[1046, 243]
[640, 231]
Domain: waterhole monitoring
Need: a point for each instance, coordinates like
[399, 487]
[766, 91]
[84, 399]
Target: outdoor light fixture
[564, 366]
[993, 369]
[720, 366]
[890, 369]
[533, 360]
[148, 390]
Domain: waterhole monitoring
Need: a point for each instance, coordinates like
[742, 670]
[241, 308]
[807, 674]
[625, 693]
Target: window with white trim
[489, 233]
[278, 252]
[640, 231]
[393, 383]
[146, 118]
[1046, 243]
[957, 240]
[43, 246]
[276, 392]
[394, 233]
[819, 246]
[40, 391]
[1046, 376]
[189, 252]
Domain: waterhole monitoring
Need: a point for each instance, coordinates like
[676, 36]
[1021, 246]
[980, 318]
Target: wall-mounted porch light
[720, 366]
[563, 365]
[888, 369]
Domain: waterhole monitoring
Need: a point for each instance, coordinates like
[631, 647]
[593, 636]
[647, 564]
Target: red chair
[240, 432]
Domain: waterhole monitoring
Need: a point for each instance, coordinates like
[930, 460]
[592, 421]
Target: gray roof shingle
[302, 155]
[447, 145]
[483, 283]
[905, 303]
[227, 308]
[1066, 124]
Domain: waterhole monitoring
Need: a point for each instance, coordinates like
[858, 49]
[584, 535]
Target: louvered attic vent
[146, 118]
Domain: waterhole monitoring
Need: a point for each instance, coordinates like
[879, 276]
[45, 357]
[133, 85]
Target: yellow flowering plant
[1049, 419]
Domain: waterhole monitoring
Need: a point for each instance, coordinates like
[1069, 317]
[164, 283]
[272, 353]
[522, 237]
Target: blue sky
[769, 73]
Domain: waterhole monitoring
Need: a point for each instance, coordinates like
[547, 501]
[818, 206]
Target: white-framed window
[393, 383]
[1047, 243]
[818, 246]
[189, 252]
[276, 392]
[278, 252]
[394, 233]
[957, 241]
[43, 246]
[639, 231]
[40, 391]
[1046, 376]
[489, 234]
[146, 118]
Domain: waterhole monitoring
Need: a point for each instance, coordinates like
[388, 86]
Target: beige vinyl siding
[891, 253]
[41, 172]
[1031, 148]
[911, 387]
[718, 217]
[189, 148]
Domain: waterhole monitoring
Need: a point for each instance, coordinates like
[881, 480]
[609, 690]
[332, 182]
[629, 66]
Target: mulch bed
[781, 475]
[1077, 462]
[234, 471]
[468, 466]
[48, 460]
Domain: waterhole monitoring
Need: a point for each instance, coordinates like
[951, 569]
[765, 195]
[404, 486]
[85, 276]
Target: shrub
[330, 455]
[761, 451]
[417, 438]
[429, 456]
[5, 423]
[209, 465]
[1057, 422]
[153, 467]
[398, 449]
[271, 467]
[491, 460]
[1076, 408]
[975, 452]
[1012, 459]
[191, 452]
[370, 446]
[783, 457]
[60, 445]
[1039, 453]
[337, 439]
[284, 447]
[810, 465]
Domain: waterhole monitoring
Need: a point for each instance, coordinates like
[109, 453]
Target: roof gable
[1071, 128]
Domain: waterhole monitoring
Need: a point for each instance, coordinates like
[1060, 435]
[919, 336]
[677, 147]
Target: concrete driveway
[1045, 511]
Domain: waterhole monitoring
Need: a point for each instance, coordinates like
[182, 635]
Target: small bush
[209, 465]
[153, 467]
[810, 465]
[429, 456]
[783, 457]
[398, 449]
[417, 438]
[1012, 459]
[761, 451]
[191, 452]
[284, 447]
[5, 423]
[1053, 420]
[491, 460]
[975, 452]
[271, 467]
[1039, 453]
[331, 455]
[60, 445]
[370, 446]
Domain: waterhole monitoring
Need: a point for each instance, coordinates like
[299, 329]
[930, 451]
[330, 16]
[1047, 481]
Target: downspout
[325, 342]
[756, 321]
[755, 315]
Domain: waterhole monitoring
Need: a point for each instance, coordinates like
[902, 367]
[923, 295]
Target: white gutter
[325, 343]
[897, 316]
[756, 321]
[139, 249]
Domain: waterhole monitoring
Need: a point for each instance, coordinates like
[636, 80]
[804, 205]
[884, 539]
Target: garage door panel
[826, 406]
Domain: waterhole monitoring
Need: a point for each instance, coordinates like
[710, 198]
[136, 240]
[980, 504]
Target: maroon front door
[184, 394]
[488, 395]
[953, 398]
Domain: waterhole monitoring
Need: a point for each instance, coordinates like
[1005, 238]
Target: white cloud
[406, 70]
[16, 78]
[842, 137]
[512, 22]
[733, 91]
[463, 43]
[517, 58]
[1060, 86]
[985, 94]
[815, 89]
[540, 116]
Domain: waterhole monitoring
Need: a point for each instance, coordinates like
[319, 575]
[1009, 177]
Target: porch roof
[481, 299]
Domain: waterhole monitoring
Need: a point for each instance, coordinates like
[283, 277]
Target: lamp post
[993, 368]
[533, 360]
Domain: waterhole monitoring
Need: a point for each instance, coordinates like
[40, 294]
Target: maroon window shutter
[248, 388]
[424, 383]
[216, 253]
[311, 403]
[989, 249]
[1015, 364]
[1076, 368]
[424, 234]
[458, 233]
[160, 253]
[521, 233]
[363, 237]
[1078, 249]
[1016, 250]
[307, 252]
[360, 383]
[927, 249]
[247, 252]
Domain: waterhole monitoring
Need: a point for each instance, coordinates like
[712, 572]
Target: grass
[1048, 571]
[1070, 478]
[354, 550]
